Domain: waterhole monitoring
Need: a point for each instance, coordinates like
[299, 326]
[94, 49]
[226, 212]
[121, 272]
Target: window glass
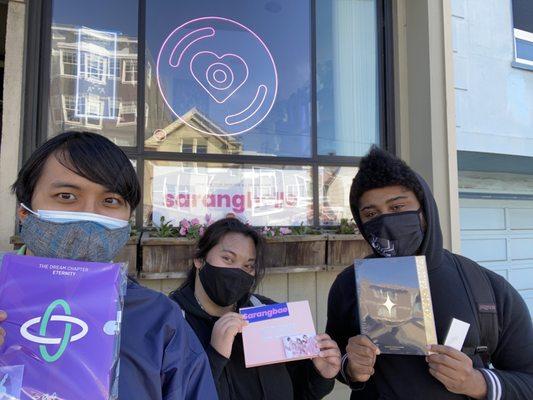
[232, 73]
[347, 77]
[91, 41]
[259, 194]
[334, 186]
[523, 31]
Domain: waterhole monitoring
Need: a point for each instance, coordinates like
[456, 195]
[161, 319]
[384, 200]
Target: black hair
[379, 169]
[88, 155]
[215, 233]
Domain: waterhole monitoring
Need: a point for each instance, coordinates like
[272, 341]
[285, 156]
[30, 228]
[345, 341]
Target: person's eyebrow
[367, 207]
[401, 197]
[229, 251]
[61, 184]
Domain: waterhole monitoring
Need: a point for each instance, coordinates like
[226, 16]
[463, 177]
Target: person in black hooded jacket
[227, 268]
[397, 215]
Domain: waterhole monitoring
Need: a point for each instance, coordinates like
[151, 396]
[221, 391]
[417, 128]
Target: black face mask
[395, 235]
[225, 286]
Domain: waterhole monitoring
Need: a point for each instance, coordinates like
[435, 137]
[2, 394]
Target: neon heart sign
[212, 65]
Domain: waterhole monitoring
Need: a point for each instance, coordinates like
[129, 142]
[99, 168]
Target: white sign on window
[259, 195]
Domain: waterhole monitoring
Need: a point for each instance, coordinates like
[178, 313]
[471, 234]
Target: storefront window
[334, 184]
[230, 108]
[89, 90]
[347, 72]
[259, 194]
[235, 74]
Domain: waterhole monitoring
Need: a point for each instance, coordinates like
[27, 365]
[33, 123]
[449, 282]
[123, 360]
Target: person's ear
[198, 263]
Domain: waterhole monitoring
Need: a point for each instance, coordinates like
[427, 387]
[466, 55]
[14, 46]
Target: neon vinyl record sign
[221, 69]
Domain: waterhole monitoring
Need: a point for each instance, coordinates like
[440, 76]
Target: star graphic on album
[389, 304]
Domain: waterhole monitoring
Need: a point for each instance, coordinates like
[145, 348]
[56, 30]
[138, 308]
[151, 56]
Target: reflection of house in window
[148, 74]
[180, 137]
[129, 71]
[69, 110]
[201, 146]
[92, 108]
[187, 146]
[95, 67]
[69, 63]
[127, 113]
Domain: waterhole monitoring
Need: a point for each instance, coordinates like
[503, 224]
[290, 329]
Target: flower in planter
[190, 229]
[284, 231]
[275, 231]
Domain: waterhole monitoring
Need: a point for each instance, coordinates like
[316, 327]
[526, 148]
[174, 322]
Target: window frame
[121, 106]
[519, 33]
[134, 71]
[62, 53]
[36, 101]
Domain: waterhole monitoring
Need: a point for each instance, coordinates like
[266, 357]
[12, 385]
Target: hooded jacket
[287, 381]
[408, 377]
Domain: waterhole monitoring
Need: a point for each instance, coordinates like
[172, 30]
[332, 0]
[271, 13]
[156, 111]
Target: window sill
[519, 65]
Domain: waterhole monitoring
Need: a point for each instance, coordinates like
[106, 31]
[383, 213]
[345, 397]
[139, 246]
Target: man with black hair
[397, 215]
[84, 178]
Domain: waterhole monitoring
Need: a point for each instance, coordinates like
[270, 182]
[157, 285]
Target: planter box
[343, 249]
[164, 258]
[127, 254]
[294, 252]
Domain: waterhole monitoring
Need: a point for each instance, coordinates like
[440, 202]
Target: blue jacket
[160, 356]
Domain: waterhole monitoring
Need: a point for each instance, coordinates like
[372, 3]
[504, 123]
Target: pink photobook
[278, 333]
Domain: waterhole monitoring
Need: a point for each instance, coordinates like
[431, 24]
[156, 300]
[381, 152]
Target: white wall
[11, 127]
[494, 101]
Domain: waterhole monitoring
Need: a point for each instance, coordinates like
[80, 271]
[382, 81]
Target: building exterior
[264, 108]
[493, 75]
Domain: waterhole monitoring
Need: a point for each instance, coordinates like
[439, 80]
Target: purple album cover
[62, 330]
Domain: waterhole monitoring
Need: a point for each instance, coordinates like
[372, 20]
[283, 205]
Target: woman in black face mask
[227, 269]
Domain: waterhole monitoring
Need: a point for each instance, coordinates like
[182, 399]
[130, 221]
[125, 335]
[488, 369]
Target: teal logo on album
[49, 316]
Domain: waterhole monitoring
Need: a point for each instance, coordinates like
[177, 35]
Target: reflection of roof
[195, 118]
[74, 30]
[67, 35]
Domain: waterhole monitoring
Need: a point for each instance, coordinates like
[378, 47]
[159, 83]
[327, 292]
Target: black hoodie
[407, 377]
[292, 380]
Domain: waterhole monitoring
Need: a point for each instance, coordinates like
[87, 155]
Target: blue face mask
[74, 236]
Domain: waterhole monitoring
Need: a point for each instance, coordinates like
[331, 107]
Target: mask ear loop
[28, 209]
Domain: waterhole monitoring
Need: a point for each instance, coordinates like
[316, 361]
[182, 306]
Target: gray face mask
[74, 240]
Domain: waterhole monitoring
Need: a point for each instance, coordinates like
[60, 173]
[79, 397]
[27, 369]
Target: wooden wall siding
[343, 249]
[295, 250]
[166, 255]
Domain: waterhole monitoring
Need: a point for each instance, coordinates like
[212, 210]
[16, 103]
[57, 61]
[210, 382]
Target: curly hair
[380, 169]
